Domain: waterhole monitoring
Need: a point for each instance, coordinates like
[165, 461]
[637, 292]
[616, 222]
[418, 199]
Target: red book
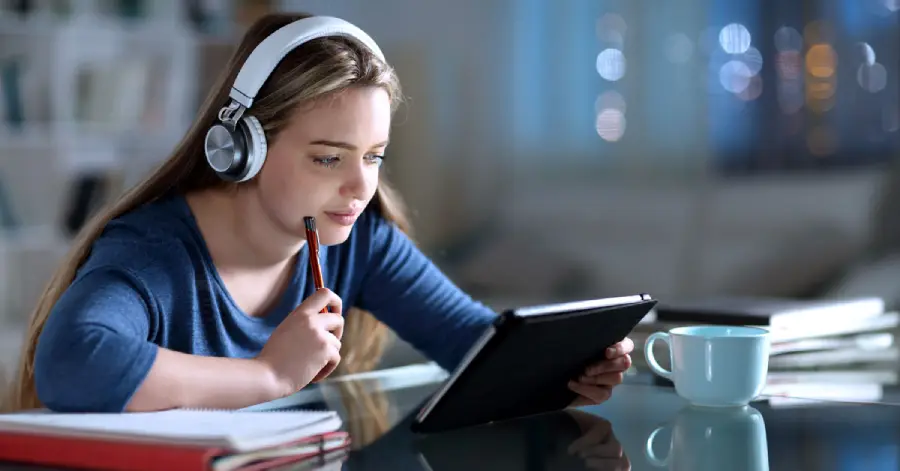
[171, 440]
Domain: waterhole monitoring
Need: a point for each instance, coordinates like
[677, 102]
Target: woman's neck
[238, 232]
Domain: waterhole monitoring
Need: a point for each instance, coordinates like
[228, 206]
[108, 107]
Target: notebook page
[217, 428]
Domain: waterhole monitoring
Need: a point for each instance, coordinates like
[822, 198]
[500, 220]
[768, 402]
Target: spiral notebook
[173, 440]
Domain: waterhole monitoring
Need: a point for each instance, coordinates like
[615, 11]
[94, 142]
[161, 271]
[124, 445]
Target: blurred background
[549, 150]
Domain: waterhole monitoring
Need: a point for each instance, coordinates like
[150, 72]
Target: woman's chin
[334, 235]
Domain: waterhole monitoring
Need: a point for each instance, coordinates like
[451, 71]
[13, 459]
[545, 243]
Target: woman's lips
[344, 218]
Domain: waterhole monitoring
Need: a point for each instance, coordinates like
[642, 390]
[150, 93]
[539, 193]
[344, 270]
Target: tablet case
[523, 363]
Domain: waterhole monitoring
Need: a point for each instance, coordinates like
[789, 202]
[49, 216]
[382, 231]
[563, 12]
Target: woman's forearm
[179, 380]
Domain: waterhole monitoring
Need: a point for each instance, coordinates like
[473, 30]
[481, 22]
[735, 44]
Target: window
[741, 86]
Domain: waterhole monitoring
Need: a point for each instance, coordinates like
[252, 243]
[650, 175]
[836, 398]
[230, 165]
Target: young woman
[192, 290]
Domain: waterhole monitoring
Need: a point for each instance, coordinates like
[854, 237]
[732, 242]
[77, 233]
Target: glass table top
[644, 426]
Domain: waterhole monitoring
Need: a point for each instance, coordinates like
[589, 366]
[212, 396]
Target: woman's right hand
[306, 347]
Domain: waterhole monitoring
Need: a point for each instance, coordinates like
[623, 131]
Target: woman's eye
[330, 161]
[375, 159]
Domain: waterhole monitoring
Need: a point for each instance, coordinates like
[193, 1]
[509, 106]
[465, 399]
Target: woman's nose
[358, 181]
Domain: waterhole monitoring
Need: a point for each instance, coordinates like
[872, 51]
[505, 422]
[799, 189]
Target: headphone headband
[266, 56]
[236, 146]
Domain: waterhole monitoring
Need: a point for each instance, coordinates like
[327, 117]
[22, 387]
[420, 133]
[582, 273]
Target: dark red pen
[312, 238]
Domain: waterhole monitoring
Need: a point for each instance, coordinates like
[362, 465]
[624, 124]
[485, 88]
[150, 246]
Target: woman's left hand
[596, 384]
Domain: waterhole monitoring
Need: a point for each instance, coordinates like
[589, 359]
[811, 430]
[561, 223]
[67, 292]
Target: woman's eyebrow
[341, 144]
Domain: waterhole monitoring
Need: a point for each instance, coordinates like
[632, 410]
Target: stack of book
[216, 440]
[838, 349]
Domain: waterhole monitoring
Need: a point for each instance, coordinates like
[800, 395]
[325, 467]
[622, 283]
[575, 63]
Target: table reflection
[704, 438]
[567, 440]
[642, 427]
[378, 410]
[370, 404]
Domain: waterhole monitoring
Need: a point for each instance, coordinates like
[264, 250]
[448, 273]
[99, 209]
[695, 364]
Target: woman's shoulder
[152, 222]
[155, 236]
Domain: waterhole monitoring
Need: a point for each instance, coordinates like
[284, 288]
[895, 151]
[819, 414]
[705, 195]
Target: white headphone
[236, 146]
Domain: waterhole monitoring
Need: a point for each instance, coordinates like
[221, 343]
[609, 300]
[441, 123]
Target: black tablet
[522, 364]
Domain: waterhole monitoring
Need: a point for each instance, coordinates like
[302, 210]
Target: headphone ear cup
[226, 151]
[257, 147]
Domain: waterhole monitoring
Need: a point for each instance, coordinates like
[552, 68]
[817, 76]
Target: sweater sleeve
[94, 352]
[404, 289]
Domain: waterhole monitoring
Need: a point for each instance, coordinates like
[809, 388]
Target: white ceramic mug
[714, 365]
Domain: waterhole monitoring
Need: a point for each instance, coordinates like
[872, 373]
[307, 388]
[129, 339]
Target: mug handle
[648, 450]
[648, 354]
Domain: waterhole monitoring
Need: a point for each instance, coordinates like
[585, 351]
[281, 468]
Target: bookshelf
[90, 90]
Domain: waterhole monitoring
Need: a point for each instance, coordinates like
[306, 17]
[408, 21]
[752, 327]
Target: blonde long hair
[316, 68]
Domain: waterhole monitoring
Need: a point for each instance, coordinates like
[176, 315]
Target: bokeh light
[820, 106]
[872, 78]
[789, 65]
[867, 53]
[611, 28]
[820, 89]
[735, 76]
[788, 39]
[753, 90]
[818, 32]
[610, 99]
[610, 124]
[611, 64]
[821, 61]
[753, 59]
[734, 38]
[790, 96]
[679, 48]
